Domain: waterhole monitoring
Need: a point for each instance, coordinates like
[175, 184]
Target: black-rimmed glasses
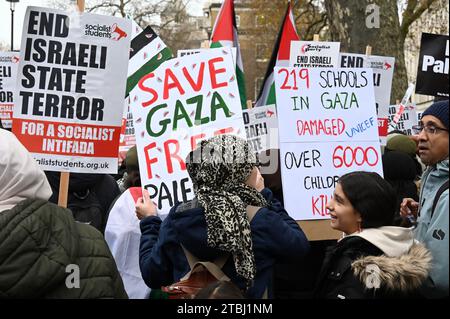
[429, 129]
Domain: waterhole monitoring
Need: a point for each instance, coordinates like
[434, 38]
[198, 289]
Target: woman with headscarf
[226, 181]
[44, 253]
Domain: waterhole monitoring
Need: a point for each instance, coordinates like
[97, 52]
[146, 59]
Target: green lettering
[354, 100]
[163, 123]
[180, 113]
[217, 102]
[338, 100]
[198, 111]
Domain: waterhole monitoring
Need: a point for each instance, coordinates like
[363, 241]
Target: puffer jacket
[41, 247]
[433, 231]
[377, 263]
[275, 236]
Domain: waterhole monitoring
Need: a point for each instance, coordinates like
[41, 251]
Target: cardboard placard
[181, 103]
[311, 54]
[9, 62]
[127, 136]
[405, 122]
[70, 89]
[328, 127]
[261, 127]
[434, 63]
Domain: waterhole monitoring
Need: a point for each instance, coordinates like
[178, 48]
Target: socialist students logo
[113, 32]
[117, 33]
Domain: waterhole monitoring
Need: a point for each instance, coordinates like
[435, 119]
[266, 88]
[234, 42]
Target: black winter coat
[348, 271]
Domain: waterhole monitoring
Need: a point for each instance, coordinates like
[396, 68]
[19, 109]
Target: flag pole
[80, 4]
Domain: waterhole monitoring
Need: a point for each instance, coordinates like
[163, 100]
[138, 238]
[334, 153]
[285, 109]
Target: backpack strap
[215, 268]
[192, 260]
[441, 190]
[251, 212]
[221, 260]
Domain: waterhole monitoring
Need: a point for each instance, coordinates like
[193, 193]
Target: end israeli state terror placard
[176, 106]
[311, 54]
[261, 127]
[70, 89]
[433, 69]
[401, 118]
[9, 62]
[328, 127]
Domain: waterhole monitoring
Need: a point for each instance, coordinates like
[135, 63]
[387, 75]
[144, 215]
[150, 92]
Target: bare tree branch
[413, 11]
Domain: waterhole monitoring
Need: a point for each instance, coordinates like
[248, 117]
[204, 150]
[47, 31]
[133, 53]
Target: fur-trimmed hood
[397, 269]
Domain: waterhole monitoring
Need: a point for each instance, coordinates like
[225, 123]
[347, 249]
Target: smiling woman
[362, 200]
[366, 263]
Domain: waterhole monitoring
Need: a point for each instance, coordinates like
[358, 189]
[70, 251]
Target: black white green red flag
[225, 35]
[147, 53]
[280, 57]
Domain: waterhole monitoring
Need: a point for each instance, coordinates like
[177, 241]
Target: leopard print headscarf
[219, 168]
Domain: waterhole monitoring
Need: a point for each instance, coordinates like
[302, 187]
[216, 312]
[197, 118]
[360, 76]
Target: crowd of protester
[234, 239]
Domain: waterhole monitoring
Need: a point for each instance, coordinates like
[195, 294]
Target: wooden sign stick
[65, 176]
[368, 50]
[80, 4]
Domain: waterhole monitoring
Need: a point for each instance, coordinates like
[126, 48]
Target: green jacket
[41, 250]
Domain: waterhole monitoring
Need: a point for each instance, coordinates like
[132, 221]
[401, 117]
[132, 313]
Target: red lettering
[171, 85]
[213, 72]
[284, 86]
[304, 75]
[148, 89]
[194, 139]
[331, 127]
[196, 86]
[224, 131]
[348, 156]
[315, 210]
[351, 156]
[169, 155]
[149, 161]
[359, 150]
[319, 205]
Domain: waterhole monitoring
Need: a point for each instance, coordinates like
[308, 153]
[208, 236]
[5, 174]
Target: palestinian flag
[147, 53]
[280, 57]
[135, 28]
[225, 35]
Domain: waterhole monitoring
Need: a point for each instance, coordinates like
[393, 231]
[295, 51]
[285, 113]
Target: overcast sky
[19, 13]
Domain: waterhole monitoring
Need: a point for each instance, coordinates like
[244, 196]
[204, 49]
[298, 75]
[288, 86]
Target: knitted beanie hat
[439, 110]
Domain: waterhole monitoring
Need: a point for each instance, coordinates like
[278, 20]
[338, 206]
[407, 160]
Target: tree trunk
[347, 21]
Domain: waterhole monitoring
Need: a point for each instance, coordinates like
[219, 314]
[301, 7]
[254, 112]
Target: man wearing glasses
[432, 212]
